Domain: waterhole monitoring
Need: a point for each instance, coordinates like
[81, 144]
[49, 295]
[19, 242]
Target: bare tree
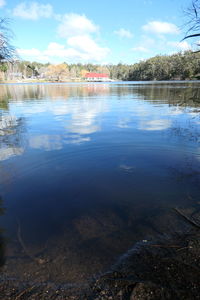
[7, 51]
[193, 23]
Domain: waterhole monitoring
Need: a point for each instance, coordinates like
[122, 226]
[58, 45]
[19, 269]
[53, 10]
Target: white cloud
[140, 49]
[81, 48]
[57, 50]
[33, 54]
[146, 45]
[74, 24]
[123, 33]
[161, 28]
[77, 30]
[88, 48]
[183, 46]
[33, 10]
[2, 3]
[29, 52]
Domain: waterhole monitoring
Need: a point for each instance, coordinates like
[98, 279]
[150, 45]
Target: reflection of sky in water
[46, 142]
[154, 125]
[86, 161]
[69, 121]
[61, 115]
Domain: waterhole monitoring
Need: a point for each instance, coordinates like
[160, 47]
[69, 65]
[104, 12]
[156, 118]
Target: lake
[87, 170]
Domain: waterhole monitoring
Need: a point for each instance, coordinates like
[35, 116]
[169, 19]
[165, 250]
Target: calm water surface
[86, 170]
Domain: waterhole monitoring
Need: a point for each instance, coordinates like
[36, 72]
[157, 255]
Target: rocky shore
[164, 268]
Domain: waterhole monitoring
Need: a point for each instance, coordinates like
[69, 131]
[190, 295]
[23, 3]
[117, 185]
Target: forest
[179, 66]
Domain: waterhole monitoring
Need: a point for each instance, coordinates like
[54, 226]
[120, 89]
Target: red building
[97, 77]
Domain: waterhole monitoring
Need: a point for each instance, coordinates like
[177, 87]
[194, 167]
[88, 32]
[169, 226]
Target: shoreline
[50, 81]
[93, 82]
[166, 267]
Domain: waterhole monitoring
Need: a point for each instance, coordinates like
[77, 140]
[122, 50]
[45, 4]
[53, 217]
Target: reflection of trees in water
[181, 93]
[189, 133]
[52, 91]
[4, 97]
[11, 143]
[11, 136]
[84, 114]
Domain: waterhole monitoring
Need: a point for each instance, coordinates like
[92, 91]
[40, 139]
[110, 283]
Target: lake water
[86, 170]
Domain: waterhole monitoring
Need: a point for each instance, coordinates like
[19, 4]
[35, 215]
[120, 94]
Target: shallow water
[86, 170]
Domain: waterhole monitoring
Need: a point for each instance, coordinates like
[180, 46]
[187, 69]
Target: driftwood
[26, 251]
[29, 289]
[164, 246]
[192, 222]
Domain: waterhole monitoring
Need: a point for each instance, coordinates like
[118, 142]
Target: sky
[102, 32]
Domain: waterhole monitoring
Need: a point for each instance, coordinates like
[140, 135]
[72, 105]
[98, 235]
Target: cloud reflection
[46, 142]
[77, 121]
[124, 123]
[84, 117]
[126, 168]
[77, 139]
[9, 152]
[155, 125]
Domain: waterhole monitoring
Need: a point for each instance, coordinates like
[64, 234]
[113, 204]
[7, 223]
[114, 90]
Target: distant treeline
[180, 66]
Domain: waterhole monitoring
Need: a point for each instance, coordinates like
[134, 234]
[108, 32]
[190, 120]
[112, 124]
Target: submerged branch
[27, 252]
[192, 222]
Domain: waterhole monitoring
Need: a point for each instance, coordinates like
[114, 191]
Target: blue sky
[96, 31]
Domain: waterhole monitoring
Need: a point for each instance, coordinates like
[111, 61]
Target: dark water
[86, 170]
